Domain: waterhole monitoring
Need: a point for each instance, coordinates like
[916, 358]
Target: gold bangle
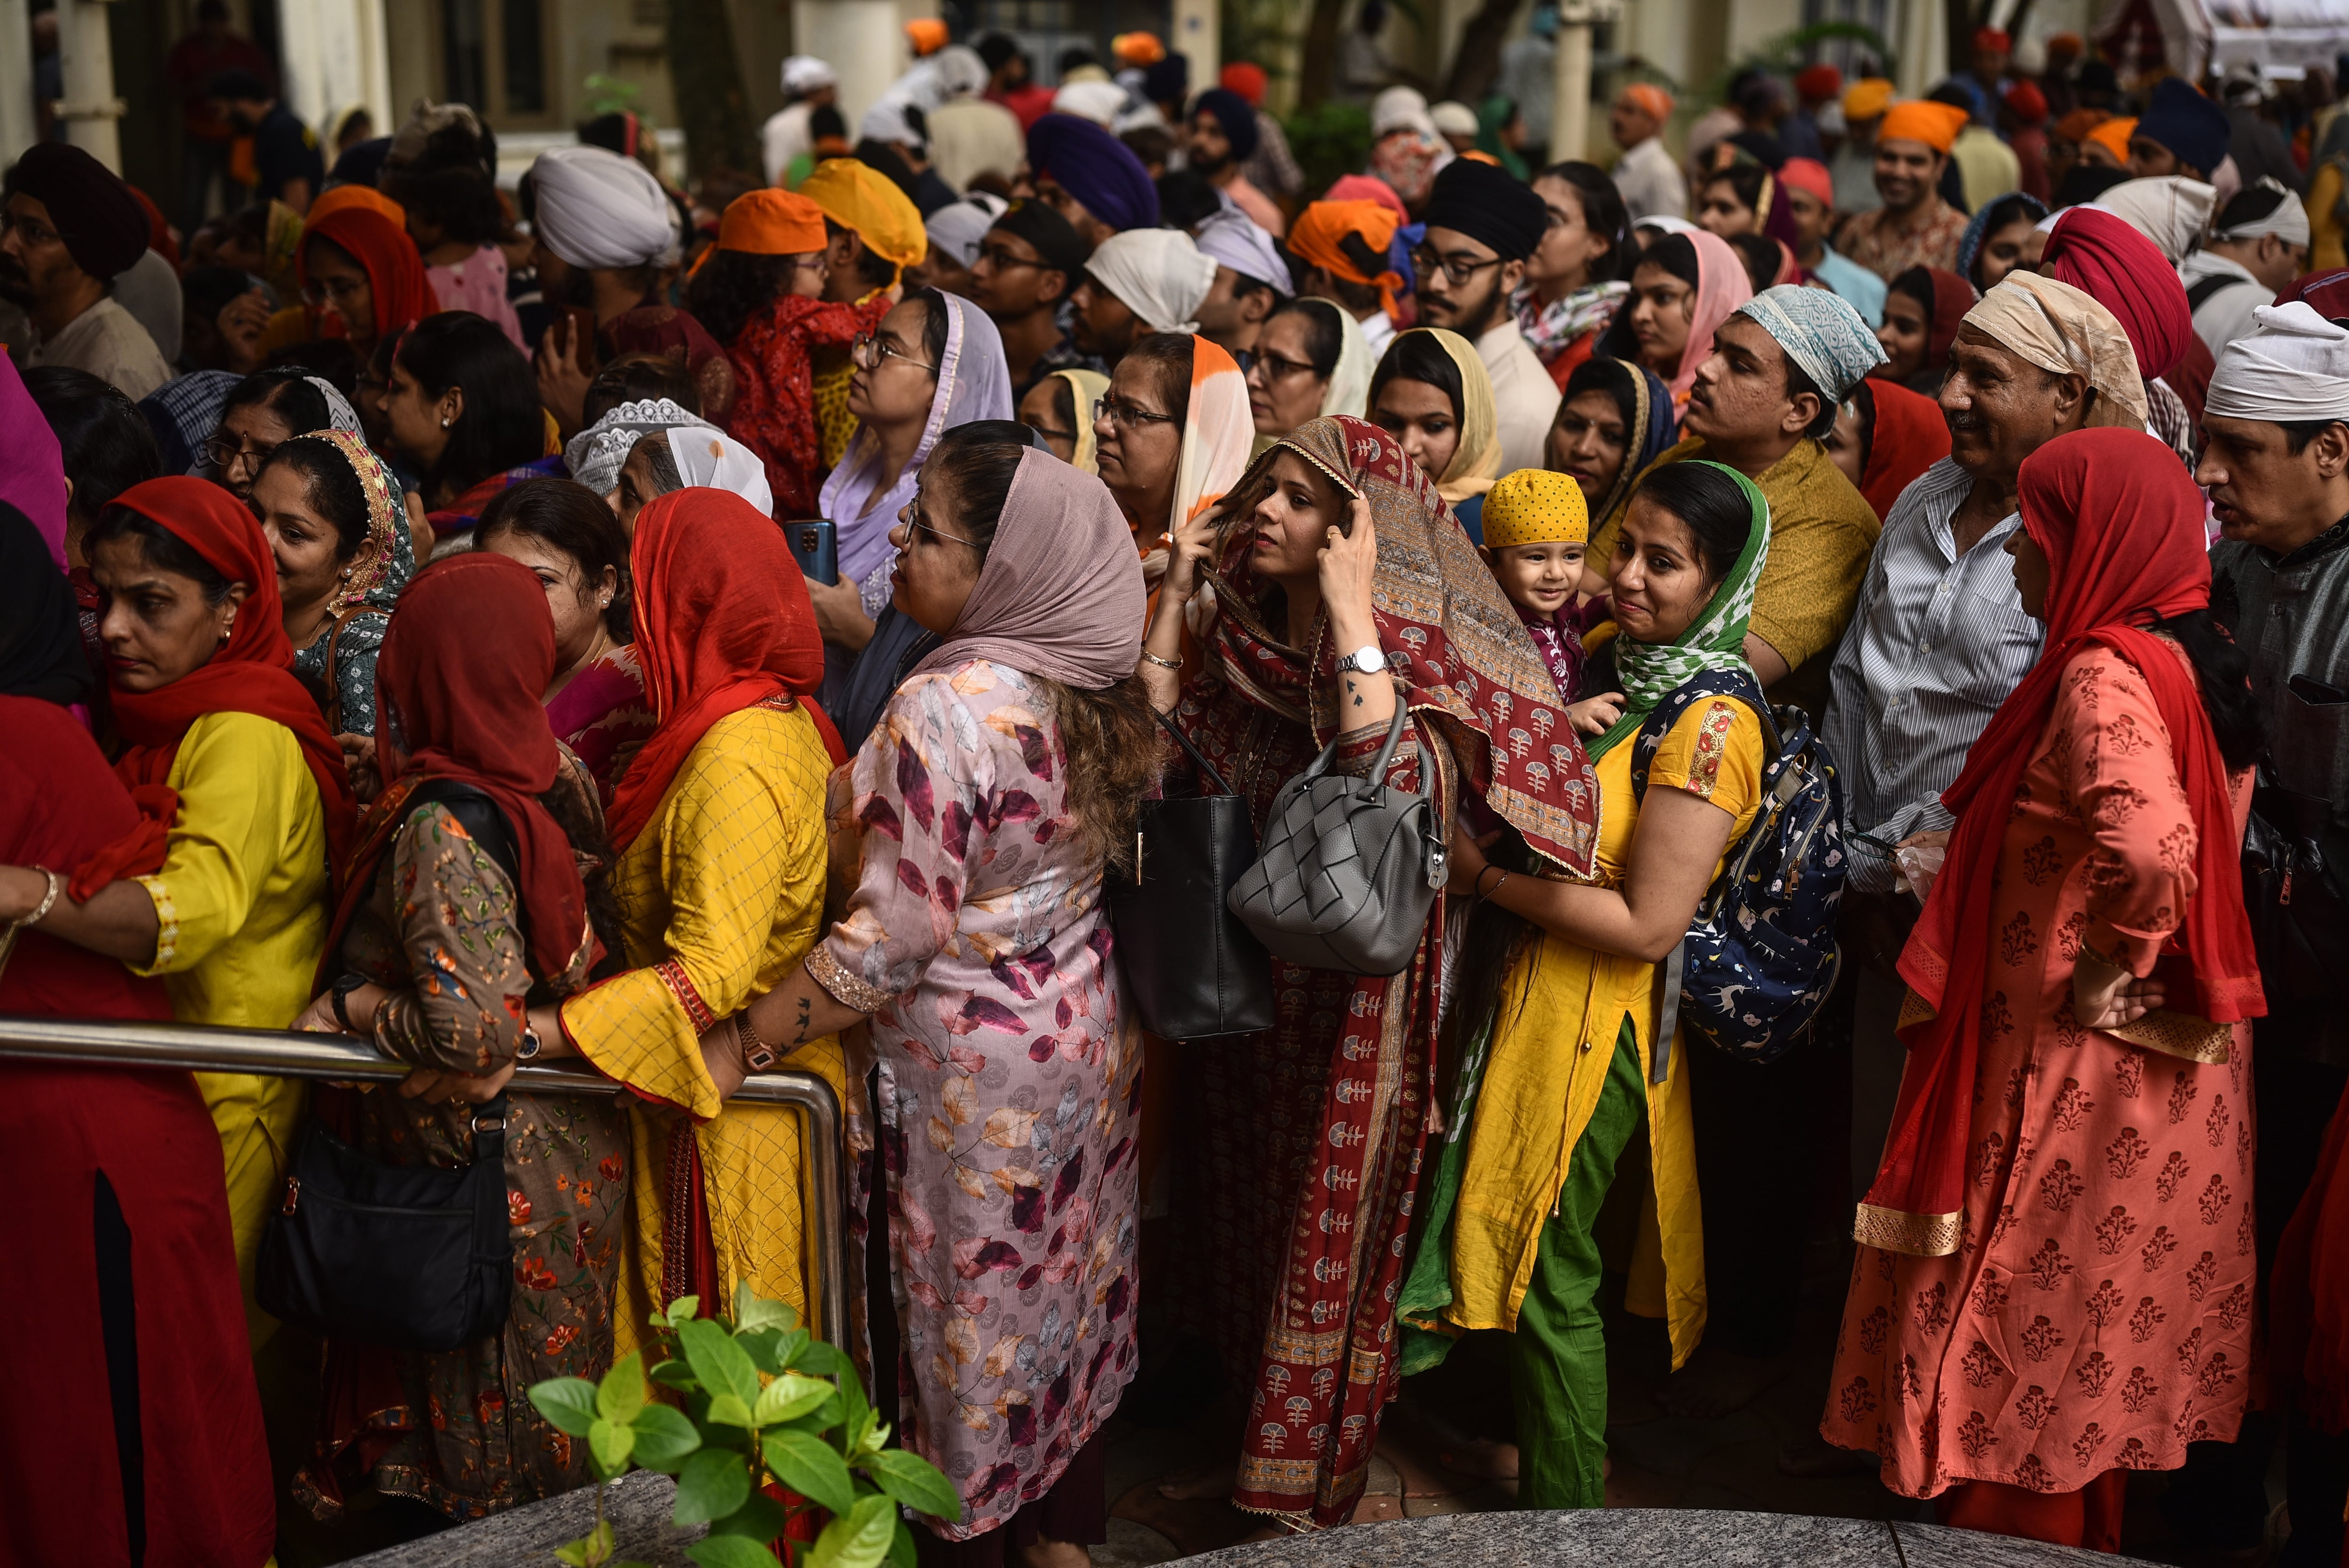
[1173, 664]
[48, 900]
[2088, 951]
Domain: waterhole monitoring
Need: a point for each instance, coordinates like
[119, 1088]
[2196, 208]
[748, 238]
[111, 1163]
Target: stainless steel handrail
[279, 1053]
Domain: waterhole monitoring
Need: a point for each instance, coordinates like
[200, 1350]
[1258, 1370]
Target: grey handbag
[1349, 869]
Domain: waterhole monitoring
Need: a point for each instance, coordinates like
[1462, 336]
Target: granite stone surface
[1650, 1538]
[638, 1505]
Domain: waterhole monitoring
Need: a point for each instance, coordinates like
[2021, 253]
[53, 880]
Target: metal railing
[280, 1053]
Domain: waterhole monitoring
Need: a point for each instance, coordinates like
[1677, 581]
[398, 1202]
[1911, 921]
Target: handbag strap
[1198, 758]
[1386, 753]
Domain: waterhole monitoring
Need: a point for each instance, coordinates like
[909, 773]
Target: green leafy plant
[1330, 140]
[610, 95]
[758, 1406]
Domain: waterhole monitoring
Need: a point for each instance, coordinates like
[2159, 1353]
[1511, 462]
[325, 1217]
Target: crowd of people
[683, 636]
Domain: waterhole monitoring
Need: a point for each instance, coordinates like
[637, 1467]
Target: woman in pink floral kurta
[2096, 1316]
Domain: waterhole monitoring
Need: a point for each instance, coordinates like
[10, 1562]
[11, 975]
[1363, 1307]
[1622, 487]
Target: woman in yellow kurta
[1570, 1067]
[223, 890]
[719, 829]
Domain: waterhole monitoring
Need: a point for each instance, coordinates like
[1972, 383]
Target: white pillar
[17, 123]
[861, 40]
[1198, 34]
[1569, 102]
[92, 113]
[336, 55]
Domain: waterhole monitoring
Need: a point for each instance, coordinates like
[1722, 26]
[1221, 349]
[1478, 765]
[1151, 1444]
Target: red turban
[1990, 40]
[2120, 269]
[1817, 84]
[2029, 104]
[1246, 80]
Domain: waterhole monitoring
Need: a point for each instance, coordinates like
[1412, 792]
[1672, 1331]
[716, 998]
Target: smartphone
[815, 545]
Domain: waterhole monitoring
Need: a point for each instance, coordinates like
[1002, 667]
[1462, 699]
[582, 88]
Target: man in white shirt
[1481, 227]
[69, 227]
[2259, 244]
[808, 84]
[1650, 182]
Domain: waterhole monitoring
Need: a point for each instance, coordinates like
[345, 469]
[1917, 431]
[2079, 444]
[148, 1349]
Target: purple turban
[1095, 168]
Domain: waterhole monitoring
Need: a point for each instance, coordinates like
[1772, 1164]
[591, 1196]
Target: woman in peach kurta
[2089, 1312]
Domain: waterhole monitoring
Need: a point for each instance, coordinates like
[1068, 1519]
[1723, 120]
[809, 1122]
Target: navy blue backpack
[1760, 958]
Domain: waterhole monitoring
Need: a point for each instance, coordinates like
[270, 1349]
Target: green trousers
[1558, 1354]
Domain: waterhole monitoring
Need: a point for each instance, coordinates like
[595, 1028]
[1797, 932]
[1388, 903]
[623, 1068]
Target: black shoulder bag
[1194, 970]
[412, 1257]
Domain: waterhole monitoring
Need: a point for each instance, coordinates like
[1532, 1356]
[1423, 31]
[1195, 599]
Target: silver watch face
[1368, 661]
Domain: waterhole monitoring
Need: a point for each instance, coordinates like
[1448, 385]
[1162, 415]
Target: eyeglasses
[999, 260]
[333, 291]
[1125, 415]
[222, 453]
[870, 351]
[28, 231]
[1458, 267]
[913, 524]
[1280, 368]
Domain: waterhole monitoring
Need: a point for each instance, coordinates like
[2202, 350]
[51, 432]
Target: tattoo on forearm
[1353, 692]
[801, 1036]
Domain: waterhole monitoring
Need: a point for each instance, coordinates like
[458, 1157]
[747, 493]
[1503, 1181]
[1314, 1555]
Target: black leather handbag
[1192, 968]
[412, 1257]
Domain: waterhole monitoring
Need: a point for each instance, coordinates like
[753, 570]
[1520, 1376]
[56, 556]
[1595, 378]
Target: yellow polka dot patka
[1534, 506]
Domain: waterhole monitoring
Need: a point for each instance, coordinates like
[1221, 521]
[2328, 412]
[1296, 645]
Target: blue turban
[2190, 125]
[1095, 168]
[1234, 116]
[1827, 339]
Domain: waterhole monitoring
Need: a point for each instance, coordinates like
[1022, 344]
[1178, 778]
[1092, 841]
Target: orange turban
[928, 34]
[1650, 100]
[1319, 238]
[1137, 50]
[343, 196]
[2113, 136]
[767, 223]
[1809, 174]
[1921, 119]
[1867, 97]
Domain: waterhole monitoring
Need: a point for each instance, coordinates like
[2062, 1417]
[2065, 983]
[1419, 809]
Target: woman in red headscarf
[361, 275]
[462, 900]
[118, 1283]
[2056, 1276]
[718, 828]
[2107, 259]
[1884, 437]
[1922, 311]
[222, 888]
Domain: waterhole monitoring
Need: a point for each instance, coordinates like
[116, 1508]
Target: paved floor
[1657, 1460]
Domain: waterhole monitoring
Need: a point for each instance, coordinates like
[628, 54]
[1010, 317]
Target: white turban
[1100, 102]
[1232, 239]
[1158, 273]
[959, 72]
[1401, 109]
[1453, 119]
[957, 228]
[887, 121]
[2294, 366]
[805, 74]
[598, 209]
[712, 460]
[596, 454]
[2170, 210]
[2287, 222]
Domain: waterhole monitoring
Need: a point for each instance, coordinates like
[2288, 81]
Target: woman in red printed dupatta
[2055, 1276]
[1301, 1148]
[719, 829]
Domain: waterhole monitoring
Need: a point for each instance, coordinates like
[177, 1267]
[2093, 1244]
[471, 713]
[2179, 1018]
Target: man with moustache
[1939, 636]
[1481, 227]
[2277, 468]
[1138, 282]
[68, 228]
[1914, 228]
[1222, 137]
[1029, 264]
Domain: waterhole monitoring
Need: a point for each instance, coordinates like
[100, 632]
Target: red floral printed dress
[2098, 1313]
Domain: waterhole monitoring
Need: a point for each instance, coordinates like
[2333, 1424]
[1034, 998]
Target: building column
[861, 40]
[336, 55]
[18, 125]
[1570, 104]
[91, 112]
[1198, 34]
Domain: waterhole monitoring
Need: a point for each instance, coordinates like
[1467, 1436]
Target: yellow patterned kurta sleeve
[241, 917]
[721, 898]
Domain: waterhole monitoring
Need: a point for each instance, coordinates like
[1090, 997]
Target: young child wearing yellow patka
[1537, 528]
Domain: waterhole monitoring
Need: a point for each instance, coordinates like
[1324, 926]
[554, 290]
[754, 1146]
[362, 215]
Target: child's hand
[1596, 715]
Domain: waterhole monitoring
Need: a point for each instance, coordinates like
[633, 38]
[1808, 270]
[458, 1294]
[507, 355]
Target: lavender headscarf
[32, 464]
[1060, 595]
[973, 383]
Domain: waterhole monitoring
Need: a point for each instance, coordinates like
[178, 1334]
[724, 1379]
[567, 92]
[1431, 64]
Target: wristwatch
[350, 981]
[756, 1055]
[1367, 660]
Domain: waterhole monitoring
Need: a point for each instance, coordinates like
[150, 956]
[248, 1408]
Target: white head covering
[959, 72]
[2294, 366]
[2170, 210]
[1348, 391]
[598, 209]
[708, 458]
[1401, 109]
[1232, 239]
[805, 74]
[340, 415]
[959, 228]
[1100, 102]
[594, 456]
[1158, 273]
[1453, 119]
[2287, 222]
[887, 122]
